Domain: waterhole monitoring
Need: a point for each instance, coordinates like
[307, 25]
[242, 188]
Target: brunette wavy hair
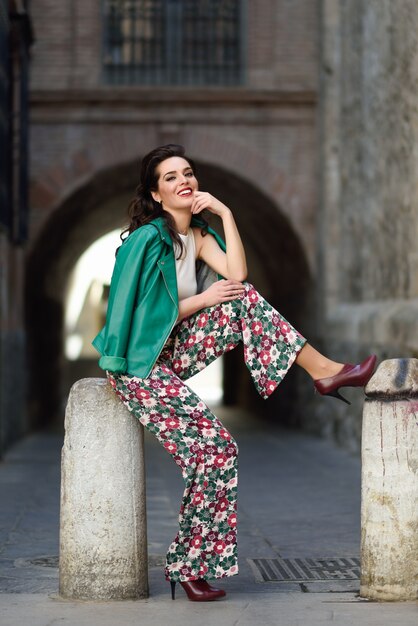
[143, 208]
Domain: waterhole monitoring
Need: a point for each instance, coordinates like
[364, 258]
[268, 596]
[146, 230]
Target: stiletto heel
[335, 394]
[173, 589]
[349, 376]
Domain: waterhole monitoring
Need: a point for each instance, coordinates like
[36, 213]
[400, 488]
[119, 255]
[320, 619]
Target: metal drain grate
[303, 570]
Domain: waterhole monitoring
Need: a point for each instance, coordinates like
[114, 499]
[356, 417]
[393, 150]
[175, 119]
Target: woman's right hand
[223, 291]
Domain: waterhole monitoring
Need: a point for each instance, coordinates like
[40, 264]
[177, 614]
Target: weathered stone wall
[378, 139]
[368, 255]
[13, 371]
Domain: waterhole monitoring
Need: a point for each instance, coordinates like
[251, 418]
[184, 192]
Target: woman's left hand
[204, 200]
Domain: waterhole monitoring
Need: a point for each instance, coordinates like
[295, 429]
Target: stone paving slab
[238, 609]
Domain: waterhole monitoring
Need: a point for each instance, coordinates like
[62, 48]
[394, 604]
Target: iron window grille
[173, 42]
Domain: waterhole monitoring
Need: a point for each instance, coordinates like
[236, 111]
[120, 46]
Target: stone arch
[104, 149]
[276, 259]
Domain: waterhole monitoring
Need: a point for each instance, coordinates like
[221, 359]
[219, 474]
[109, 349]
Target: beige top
[186, 267]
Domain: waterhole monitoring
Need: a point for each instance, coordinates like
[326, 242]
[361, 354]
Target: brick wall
[281, 51]
[272, 141]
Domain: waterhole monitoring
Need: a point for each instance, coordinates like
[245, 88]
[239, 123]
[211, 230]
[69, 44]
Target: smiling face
[176, 183]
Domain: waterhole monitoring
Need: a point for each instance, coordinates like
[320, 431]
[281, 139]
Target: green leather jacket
[143, 299]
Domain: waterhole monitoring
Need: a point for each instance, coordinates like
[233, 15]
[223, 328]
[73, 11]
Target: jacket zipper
[172, 326]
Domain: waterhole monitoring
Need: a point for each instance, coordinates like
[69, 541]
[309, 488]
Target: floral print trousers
[206, 543]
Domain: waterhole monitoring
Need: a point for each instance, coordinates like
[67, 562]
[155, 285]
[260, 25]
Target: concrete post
[103, 542]
[389, 495]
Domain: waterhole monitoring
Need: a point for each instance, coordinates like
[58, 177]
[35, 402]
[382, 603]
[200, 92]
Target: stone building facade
[16, 38]
[368, 203]
[313, 151]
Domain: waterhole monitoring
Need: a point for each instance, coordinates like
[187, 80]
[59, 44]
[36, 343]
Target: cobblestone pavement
[298, 537]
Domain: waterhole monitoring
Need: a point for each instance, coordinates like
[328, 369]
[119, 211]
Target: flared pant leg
[271, 343]
[206, 545]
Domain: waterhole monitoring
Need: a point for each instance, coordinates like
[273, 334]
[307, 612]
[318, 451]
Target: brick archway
[275, 256]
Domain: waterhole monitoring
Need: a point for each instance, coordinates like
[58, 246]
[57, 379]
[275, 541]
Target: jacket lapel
[166, 263]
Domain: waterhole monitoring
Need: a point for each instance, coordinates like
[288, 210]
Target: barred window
[173, 42]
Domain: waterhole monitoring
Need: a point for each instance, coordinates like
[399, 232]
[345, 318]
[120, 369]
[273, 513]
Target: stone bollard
[103, 541]
[389, 495]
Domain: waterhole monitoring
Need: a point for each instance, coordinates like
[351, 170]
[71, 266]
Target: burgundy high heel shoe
[197, 591]
[350, 376]
[203, 584]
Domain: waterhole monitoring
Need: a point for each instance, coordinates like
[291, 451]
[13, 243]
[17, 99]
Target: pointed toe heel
[350, 376]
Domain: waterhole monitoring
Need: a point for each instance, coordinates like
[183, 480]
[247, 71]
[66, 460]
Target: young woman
[178, 300]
